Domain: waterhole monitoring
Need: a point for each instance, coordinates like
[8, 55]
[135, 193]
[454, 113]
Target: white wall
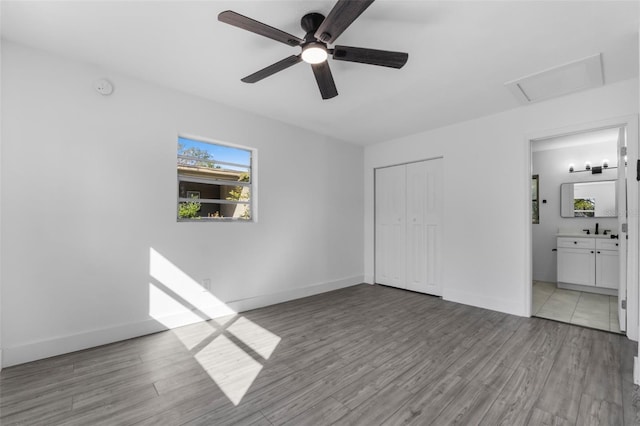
[487, 191]
[1, 346]
[89, 195]
[552, 166]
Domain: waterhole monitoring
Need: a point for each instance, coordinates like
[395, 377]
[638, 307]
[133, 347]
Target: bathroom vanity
[588, 263]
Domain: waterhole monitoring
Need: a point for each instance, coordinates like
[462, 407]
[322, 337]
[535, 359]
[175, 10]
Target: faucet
[596, 228]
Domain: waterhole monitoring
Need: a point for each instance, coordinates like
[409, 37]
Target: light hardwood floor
[363, 355]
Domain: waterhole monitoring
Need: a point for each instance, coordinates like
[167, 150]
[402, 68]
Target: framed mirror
[588, 199]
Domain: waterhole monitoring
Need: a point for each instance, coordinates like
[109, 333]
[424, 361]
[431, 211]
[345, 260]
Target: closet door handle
[592, 251]
[575, 242]
[598, 252]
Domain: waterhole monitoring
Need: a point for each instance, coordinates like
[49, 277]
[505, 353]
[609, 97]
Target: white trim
[70, 343]
[255, 302]
[212, 201]
[631, 123]
[204, 160]
[485, 302]
[185, 178]
[636, 371]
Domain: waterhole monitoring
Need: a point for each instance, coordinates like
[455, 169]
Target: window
[535, 204]
[584, 207]
[214, 181]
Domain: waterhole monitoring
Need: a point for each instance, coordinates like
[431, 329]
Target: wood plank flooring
[365, 355]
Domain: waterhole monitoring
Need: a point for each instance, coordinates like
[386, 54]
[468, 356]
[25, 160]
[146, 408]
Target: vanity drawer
[570, 242]
[607, 244]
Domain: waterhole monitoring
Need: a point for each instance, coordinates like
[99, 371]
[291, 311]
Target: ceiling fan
[320, 32]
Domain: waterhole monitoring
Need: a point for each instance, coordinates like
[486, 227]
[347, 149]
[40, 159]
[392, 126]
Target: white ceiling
[460, 54]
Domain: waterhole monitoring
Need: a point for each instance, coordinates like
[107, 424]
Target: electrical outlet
[206, 283]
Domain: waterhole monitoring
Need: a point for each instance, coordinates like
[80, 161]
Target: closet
[408, 225]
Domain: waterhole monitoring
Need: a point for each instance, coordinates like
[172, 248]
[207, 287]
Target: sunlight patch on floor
[229, 366]
[232, 349]
[257, 338]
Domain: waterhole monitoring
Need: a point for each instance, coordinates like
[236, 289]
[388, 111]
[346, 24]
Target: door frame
[631, 124]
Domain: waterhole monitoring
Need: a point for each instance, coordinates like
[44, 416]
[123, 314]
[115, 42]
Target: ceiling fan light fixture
[314, 53]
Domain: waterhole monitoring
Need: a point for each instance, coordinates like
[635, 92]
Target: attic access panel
[572, 77]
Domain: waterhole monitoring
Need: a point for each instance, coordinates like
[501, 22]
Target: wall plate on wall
[103, 86]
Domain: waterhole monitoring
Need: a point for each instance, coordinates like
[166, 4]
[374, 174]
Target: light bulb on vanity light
[605, 164]
[570, 168]
[587, 165]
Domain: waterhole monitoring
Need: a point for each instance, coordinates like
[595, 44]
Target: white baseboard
[242, 305]
[485, 302]
[65, 344]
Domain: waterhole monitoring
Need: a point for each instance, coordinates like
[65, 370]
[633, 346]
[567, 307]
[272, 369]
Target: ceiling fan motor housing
[310, 23]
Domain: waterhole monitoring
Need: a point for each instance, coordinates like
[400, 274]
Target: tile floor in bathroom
[575, 307]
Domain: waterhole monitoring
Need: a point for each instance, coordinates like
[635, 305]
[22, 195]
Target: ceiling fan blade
[272, 69]
[240, 21]
[324, 78]
[383, 58]
[341, 16]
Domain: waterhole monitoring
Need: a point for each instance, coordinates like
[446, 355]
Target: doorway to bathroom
[578, 228]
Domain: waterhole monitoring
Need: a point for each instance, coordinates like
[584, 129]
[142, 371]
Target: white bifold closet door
[409, 226]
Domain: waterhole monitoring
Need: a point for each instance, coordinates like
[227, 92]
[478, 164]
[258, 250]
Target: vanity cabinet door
[576, 266]
[607, 269]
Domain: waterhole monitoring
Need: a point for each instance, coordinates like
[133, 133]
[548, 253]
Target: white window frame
[252, 184]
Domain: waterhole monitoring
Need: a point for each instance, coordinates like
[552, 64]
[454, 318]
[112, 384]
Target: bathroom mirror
[588, 199]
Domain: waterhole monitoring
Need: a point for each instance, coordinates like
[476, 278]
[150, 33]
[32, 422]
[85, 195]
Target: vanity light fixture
[588, 168]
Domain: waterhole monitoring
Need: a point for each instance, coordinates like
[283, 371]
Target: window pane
[210, 153]
[214, 181]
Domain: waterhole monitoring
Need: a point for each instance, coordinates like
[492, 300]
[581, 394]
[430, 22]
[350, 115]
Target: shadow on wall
[232, 352]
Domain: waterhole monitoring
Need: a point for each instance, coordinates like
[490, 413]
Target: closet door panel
[416, 230]
[390, 226]
[433, 284]
[424, 230]
[409, 226]
[433, 221]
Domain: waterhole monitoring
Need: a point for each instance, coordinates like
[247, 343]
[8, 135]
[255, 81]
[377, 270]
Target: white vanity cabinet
[588, 261]
[577, 261]
[607, 264]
